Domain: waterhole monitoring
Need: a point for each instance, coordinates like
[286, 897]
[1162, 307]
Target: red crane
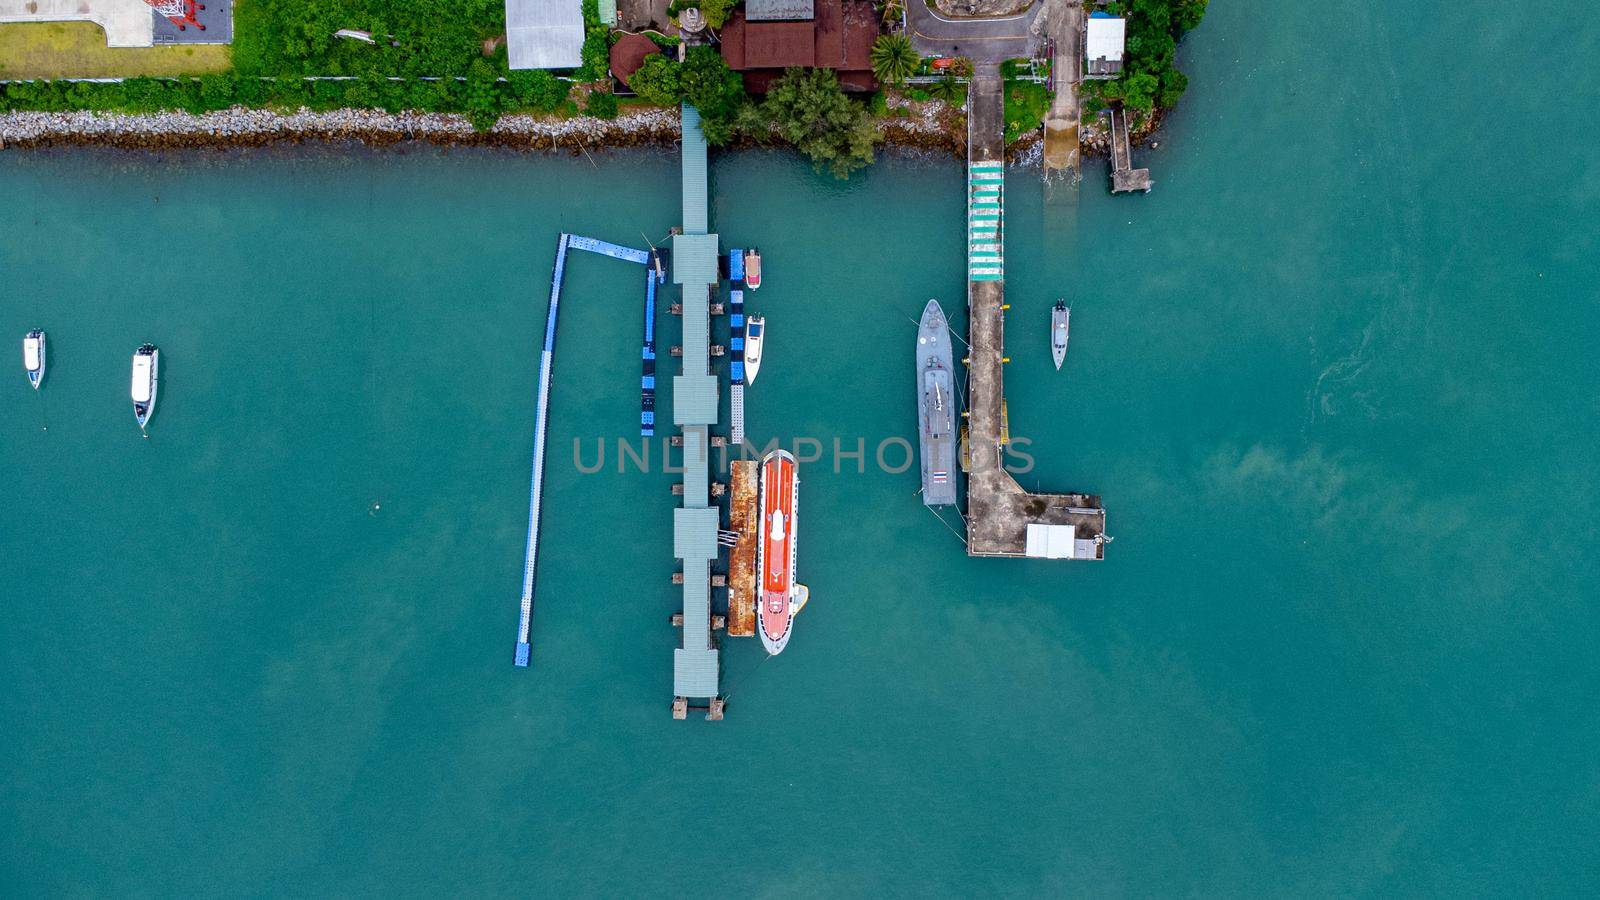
[179, 12]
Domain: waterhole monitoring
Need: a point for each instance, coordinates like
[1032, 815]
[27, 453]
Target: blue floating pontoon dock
[541, 412]
[654, 274]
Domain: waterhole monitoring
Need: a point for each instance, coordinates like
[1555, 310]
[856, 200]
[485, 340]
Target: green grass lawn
[1026, 105]
[78, 50]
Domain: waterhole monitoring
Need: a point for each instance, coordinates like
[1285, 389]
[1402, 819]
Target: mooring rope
[728, 694]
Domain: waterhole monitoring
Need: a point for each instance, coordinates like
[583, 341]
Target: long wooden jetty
[1002, 518]
[541, 414]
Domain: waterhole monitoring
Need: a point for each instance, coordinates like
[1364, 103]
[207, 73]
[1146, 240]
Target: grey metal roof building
[695, 667]
[694, 259]
[544, 34]
[778, 10]
[694, 540]
[694, 399]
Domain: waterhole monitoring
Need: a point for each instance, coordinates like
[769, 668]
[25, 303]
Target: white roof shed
[1105, 40]
[544, 34]
[1057, 542]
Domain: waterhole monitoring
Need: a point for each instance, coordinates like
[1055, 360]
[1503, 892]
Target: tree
[893, 58]
[947, 89]
[657, 81]
[716, 11]
[715, 90]
[483, 100]
[811, 112]
[596, 53]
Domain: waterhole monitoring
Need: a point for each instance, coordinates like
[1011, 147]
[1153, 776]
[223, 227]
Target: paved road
[982, 40]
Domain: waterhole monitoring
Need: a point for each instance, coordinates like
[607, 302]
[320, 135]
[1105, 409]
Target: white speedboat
[752, 268]
[33, 357]
[1060, 322]
[146, 371]
[755, 331]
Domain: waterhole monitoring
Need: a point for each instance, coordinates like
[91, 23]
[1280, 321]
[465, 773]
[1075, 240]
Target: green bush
[596, 44]
[949, 90]
[295, 37]
[538, 90]
[601, 105]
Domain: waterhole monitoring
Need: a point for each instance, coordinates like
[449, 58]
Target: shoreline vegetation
[292, 80]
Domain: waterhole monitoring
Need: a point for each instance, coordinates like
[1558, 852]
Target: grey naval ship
[936, 407]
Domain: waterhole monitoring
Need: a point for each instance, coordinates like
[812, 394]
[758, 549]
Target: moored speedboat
[146, 371]
[33, 357]
[1060, 320]
[755, 331]
[780, 500]
[752, 268]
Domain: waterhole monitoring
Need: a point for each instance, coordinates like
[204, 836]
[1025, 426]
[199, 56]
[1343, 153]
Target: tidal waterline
[1333, 378]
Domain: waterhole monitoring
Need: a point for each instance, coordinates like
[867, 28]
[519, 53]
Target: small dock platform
[1124, 177]
[742, 561]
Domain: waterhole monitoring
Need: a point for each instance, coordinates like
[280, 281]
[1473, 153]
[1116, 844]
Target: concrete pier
[999, 511]
[1124, 177]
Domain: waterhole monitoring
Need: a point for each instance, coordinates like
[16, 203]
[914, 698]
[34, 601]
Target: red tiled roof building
[839, 37]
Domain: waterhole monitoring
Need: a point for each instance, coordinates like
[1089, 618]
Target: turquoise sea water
[1334, 379]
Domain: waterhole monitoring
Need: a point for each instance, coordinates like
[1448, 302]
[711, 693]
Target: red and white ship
[780, 499]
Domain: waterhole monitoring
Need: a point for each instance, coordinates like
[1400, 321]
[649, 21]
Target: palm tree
[893, 59]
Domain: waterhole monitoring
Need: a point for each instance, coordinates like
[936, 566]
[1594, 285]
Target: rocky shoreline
[241, 127]
[930, 127]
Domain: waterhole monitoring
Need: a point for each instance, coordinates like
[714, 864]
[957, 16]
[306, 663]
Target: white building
[1105, 38]
[544, 34]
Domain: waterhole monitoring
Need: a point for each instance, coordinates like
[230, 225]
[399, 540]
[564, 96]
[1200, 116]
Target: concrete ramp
[127, 23]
